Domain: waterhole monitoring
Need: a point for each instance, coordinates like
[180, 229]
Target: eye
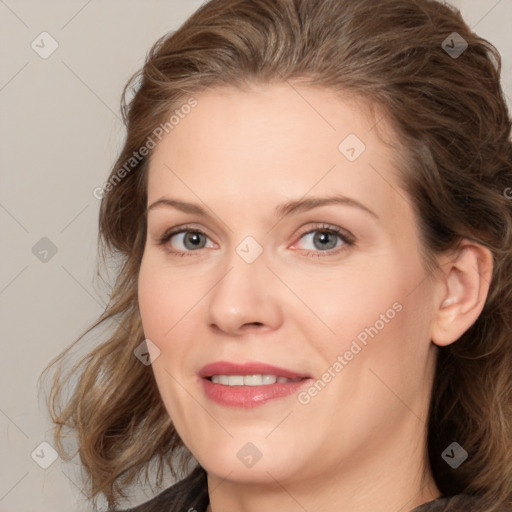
[326, 239]
[184, 239]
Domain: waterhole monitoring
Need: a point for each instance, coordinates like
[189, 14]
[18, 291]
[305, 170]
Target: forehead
[271, 142]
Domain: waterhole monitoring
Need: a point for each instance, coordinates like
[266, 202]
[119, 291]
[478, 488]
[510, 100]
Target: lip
[247, 397]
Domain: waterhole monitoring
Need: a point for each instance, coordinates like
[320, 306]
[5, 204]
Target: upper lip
[251, 368]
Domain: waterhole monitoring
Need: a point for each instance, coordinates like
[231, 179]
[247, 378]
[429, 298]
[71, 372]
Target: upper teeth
[249, 380]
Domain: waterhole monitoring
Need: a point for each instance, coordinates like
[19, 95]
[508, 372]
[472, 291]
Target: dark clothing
[187, 495]
[191, 495]
[459, 503]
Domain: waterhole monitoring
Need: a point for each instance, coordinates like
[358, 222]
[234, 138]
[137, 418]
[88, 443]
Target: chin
[263, 471]
[245, 460]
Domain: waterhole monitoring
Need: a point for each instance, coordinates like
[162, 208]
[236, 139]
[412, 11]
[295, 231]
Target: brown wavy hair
[455, 160]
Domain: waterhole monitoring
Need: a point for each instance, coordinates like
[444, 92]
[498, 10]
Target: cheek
[161, 297]
[387, 346]
[348, 300]
[377, 311]
[150, 300]
[161, 304]
[168, 304]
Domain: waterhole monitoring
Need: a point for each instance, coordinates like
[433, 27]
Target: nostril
[252, 324]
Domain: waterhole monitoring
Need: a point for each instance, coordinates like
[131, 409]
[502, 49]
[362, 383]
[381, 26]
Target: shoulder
[459, 503]
[187, 495]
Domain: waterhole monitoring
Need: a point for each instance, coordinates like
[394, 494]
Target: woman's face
[266, 276]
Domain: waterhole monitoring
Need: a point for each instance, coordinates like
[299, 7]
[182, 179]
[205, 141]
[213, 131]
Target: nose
[245, 299]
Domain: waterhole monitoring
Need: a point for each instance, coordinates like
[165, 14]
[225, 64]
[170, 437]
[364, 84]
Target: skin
[359, 444]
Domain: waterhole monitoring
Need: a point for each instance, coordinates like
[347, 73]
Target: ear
[463, 287]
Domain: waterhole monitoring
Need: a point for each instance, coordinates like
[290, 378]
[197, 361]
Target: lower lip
[246, 397]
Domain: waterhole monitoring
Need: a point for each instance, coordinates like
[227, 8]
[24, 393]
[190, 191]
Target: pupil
[194, 238]
[323, 238]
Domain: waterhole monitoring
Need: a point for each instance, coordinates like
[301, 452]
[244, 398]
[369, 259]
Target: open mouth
[251, 380]
[237, 394]
[249, 385]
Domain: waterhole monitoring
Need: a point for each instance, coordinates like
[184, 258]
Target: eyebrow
[282, 210]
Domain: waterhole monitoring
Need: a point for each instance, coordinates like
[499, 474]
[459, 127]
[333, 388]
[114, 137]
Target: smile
[250, 380]
[249, 385]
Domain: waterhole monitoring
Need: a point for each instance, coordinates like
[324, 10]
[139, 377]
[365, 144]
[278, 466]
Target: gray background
[60, 131]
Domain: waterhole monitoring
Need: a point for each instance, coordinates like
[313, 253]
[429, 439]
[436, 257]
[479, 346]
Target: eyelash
[348, 240]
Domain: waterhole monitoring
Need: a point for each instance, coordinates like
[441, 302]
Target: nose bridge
[244, 295]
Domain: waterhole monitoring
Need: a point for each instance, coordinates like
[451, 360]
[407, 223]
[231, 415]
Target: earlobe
[465, 285]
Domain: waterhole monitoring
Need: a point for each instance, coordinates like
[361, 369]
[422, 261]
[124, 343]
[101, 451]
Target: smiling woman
[314, 304]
